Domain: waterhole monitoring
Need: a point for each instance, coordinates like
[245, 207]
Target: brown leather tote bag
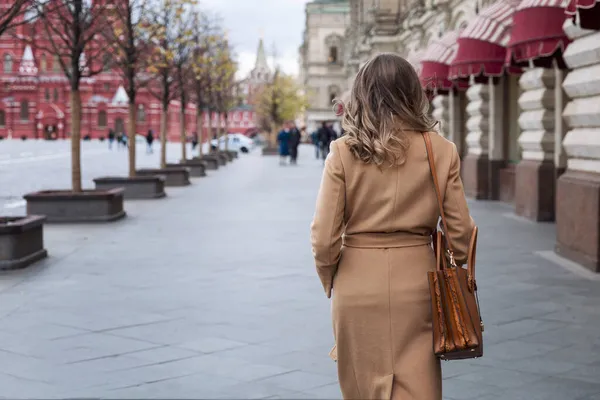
[457, 324]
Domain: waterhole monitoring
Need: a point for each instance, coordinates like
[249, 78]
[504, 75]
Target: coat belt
[383, 240]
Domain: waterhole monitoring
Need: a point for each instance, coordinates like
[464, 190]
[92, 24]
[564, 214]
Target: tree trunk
[273, 138]
[210, 132]
[163, 137]
[182, 132]
[219, 132]
[131, 128]
[199, 131]
[226, 131]
[76, 141]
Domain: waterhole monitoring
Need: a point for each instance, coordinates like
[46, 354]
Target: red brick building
[34, 97]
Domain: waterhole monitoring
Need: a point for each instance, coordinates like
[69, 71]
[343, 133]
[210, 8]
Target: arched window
[333, 91]
[24, 114]
[55, 95]
[333, 55]
[2, 118]
[8, 63]
[141, 113]
[55, 64]
[43, 63]
[332, 97]
[47, 94]
[102, 120]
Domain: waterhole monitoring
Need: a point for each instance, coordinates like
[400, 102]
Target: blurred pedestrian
[111, 138]
[315, 141]
[294, 143]
[326, 136]
[283, 140]
[194, 140]
[149, 141]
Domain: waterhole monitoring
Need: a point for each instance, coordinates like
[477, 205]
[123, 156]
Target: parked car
[237, 142]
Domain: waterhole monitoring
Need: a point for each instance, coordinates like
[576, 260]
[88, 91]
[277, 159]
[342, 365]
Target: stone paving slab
[211, 293]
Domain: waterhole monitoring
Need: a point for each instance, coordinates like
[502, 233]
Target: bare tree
[204, 36]
[224, 68]
[11, 16]
[128, 41]
[183, 72]
[72, 30]
[162, 27]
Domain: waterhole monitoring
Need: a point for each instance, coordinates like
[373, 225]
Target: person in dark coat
[326, 135]
[294, 143]
[283, 139]
[149, 141]
[111, 138]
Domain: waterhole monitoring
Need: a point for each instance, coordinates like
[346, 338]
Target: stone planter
[235, 153]
[174, 176]
[231, 154]
[21, 241]
[138, 187]
[270, 151]
[197, 168]
[222, 157]
[68, 206]
[210, 162]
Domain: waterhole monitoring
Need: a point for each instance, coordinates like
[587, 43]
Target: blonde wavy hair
[385, 105]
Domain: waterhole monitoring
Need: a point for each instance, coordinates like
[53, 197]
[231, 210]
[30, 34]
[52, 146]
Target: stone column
[535, 176]
[457, 103]
[578, 189]
[497, 125]
[441, 113]
[476, 162]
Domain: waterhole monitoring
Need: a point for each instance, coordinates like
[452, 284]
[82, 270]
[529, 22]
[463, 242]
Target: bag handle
[438, 194]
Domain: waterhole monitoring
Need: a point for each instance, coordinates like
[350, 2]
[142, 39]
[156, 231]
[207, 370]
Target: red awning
[435, 64]
[537, 35]
[585, 12]
[482, 44]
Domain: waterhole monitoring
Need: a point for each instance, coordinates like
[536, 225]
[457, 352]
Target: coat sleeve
[328, 222]
[460, 223]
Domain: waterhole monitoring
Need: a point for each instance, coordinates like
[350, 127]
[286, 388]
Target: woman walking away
[371, 234]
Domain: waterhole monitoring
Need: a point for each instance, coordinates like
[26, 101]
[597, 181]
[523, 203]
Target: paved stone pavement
[27, 166]
[211, 293]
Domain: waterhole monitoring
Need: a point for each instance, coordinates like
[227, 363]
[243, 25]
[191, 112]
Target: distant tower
[261, 73]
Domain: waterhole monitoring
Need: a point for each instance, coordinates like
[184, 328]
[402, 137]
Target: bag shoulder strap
[436, 184]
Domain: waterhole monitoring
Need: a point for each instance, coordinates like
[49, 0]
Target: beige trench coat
[372, 247]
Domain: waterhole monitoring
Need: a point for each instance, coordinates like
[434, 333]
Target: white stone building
[322, 56]
[516, 85]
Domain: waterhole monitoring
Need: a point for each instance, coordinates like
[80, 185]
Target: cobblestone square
[211, 293]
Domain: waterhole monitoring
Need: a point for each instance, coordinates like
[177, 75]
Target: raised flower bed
[69, 206]
[137, 187]
[174, 176]
[21, 241]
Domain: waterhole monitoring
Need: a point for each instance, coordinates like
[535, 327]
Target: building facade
[34, 97]
[516, 85]
[322, 57]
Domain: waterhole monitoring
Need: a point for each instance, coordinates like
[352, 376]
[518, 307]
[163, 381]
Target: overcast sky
[281, 21]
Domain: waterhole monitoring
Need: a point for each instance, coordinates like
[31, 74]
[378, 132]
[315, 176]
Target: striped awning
[537, 37]
[482, 44]
[585, 12]
[414, 58]
[435, 64]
